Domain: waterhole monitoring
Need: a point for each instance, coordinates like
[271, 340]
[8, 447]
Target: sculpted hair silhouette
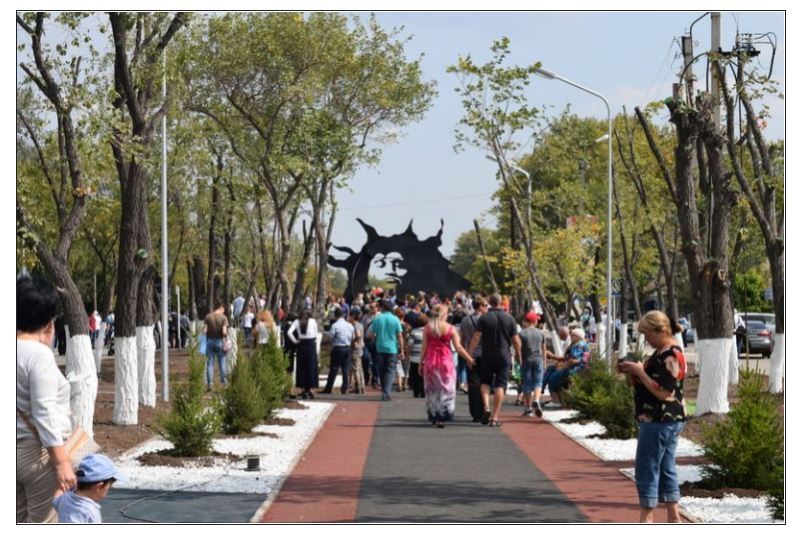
[414, 265]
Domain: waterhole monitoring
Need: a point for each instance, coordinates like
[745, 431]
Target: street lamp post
[608, 322]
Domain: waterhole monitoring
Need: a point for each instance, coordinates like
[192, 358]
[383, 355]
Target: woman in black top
[660, 412]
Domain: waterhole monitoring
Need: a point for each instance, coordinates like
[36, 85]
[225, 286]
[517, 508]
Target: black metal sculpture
[408, 263]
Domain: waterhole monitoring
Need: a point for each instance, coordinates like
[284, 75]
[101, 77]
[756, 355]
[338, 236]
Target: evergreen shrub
[191, 423]
[601, 395]
[242, 402]
[269, 371]
[746, 449]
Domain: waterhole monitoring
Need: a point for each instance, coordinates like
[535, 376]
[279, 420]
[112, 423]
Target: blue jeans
[655, 465]
[386, 369]
[554, 377]
[532, 375]
[462, 372]
[213, 349]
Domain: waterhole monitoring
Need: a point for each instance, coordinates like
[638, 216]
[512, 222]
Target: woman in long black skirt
[303, 332]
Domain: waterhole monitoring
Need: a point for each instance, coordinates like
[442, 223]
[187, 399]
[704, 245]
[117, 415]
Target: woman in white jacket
[43, 413]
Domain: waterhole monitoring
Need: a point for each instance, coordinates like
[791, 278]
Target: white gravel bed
[730, 509]
[607, 449]
[277, 456]
[685, 473]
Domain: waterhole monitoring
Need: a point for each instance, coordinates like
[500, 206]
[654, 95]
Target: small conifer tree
[192, 422]
[746, 449]
[242, 402]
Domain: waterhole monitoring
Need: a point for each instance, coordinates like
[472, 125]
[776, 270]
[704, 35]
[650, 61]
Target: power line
[428, 201]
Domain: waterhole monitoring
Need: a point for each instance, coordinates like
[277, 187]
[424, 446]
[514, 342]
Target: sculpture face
[401, 260]
[388, 267]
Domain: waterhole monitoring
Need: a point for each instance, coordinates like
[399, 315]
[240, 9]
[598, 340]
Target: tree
[61, 86]
[699, 138]
[496, 109]
[138, 109]
[761, 195]
[301, 100]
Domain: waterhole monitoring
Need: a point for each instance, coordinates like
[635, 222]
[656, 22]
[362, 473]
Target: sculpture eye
[381, 263]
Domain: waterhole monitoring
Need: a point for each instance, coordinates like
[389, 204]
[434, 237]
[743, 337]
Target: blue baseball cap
[96, 468]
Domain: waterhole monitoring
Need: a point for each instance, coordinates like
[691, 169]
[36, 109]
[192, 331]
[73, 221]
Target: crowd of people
[419, 343]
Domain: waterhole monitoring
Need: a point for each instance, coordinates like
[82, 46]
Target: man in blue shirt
[386, 330]
[341, 334]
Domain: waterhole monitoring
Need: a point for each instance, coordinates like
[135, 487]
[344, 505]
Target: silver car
[759, 339]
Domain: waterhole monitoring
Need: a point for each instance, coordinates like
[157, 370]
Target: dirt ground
[116, 439]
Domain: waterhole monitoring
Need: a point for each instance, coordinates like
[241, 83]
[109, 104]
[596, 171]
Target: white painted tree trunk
[233, 353]
[319, 343]
[714, 376]
[82, 376]
[145, 349]
[680, 340]
[697, 366]
[99, 345]
[776, 370]
[600, 332]
[126, 382]
[733, 360]
[557, 344]
[623, 341]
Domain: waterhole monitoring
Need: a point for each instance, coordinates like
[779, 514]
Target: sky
[631, 58]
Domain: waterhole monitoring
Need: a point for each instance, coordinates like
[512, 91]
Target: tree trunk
[215, 208]
[145, 340]
[299, 281]
[494, 286]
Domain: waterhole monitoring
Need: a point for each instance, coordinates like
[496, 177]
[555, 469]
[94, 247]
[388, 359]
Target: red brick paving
[324, 485]
[597, 487]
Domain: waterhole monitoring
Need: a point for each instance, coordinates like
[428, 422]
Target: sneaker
[538, 411]
[527, 413]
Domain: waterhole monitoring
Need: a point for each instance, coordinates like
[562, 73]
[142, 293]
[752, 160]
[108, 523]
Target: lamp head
[603, 138]
[544, 73]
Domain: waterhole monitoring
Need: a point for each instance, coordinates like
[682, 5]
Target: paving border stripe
[317, 458]
[576, 472]
[273, 494]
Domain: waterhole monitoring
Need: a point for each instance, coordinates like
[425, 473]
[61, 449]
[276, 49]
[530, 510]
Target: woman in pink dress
[437, 366]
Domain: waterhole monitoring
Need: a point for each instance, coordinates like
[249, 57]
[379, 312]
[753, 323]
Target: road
[756, 361]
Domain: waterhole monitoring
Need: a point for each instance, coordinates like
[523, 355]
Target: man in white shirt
[341, 334]
[246, 324]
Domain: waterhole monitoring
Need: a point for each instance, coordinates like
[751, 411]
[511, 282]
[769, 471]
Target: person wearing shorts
[496, 330]
[533, 350]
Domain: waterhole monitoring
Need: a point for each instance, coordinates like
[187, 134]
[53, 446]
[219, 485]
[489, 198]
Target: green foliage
[494, 99]
[191, 424]
[269, 371]
[242, 402]
[776, 503]
[749, 288]
[600, 395]
[746, 450]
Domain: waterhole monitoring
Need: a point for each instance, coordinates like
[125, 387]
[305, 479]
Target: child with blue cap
[96, 474]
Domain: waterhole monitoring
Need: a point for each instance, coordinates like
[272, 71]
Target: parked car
[767, 318]
[759, 338]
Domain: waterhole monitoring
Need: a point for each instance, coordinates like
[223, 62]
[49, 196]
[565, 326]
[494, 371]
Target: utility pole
[687, 60]
[715, 48]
